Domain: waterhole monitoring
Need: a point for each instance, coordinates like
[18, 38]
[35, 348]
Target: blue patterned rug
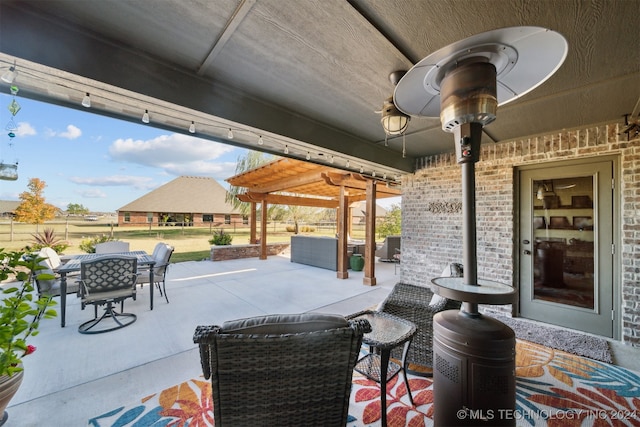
[553, 388]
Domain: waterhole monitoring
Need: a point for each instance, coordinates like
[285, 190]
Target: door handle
[526, 252]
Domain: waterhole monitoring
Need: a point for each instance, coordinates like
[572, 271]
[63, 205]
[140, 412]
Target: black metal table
[73, 264]
[387, 333]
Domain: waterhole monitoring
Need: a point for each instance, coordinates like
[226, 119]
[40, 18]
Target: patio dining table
[73, 264]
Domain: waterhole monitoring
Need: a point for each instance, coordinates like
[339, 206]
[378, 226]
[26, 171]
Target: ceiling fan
[394, 122]
[632, 122]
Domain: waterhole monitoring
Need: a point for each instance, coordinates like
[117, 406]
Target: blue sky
[100, 162]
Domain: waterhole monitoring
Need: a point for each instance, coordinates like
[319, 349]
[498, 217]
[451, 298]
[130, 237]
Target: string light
[86, 101]
[10, 75]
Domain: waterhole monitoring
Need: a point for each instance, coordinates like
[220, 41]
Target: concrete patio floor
[73, 377]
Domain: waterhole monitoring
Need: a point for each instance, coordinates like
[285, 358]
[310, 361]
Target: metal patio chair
[105, 281]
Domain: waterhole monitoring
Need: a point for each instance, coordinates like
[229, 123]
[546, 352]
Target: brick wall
[227, 252]
[432, 210]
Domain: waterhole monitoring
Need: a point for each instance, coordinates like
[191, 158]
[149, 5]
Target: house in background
[187, 200]
[358, 212]
[8, 207]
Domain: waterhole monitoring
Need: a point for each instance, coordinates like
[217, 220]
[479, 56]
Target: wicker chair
[418, 304]
[284, 370]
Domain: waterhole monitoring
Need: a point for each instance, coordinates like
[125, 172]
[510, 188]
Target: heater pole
[467, 137]
[469, 254]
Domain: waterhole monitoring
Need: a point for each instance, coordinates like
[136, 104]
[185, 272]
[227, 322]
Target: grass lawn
[190, 243]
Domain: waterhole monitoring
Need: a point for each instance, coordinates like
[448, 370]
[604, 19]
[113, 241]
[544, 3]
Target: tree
[392, 223]
[251, 160]
[300, 213]
[76, 209]
[34, 209]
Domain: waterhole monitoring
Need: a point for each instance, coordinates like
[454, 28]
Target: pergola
[294, 182]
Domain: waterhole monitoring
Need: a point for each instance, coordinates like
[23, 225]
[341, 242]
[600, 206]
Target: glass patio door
[566, 244]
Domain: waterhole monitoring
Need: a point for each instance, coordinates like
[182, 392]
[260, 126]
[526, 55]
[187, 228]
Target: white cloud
[176, 154]
[93, 193]
[25, 129]
[137, 182]
[72, 132]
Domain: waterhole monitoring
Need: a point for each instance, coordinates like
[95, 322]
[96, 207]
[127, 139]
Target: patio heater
[463, 83]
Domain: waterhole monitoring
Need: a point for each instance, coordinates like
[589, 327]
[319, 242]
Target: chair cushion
[52, 256]
[45, 286]
[278, 324]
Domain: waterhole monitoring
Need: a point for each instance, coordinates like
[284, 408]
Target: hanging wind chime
[9, 171]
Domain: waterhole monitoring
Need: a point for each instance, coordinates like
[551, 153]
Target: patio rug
[553, 388]
[561, 339]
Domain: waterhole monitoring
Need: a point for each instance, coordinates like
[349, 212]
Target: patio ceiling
[295, 182]
[308, 76]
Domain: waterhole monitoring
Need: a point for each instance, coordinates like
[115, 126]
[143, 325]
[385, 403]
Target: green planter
[357, 262]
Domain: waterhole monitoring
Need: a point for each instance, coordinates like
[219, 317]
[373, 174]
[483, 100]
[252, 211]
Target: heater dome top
[524, 57]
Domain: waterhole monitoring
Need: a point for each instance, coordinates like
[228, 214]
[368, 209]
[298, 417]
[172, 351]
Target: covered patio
[72, 378]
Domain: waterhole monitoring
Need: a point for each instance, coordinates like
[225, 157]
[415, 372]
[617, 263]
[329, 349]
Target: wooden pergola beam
[280, 199]
[358, 182]
[285, 183]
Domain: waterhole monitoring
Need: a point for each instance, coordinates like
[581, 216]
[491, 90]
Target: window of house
[127, 217]
[149, 217]
[245, 219]
[227, 219]
[207, 218]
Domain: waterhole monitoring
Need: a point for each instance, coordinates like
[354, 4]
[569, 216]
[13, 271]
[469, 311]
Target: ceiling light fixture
[192, 127]
[286, 149]
[394, 122]
[260, 140]
[308, 155]
[331, 159]
[86, 101]
[145, 116]
[361, 169]
[347, 164]
[10, 75]
[230, 134]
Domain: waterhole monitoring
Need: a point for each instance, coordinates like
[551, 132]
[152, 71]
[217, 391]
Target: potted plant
[20, 314]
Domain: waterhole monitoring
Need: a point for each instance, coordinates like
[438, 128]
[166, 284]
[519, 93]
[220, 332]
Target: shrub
[221, 238]
[45, 239]
[89, 245]
[291, 228]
